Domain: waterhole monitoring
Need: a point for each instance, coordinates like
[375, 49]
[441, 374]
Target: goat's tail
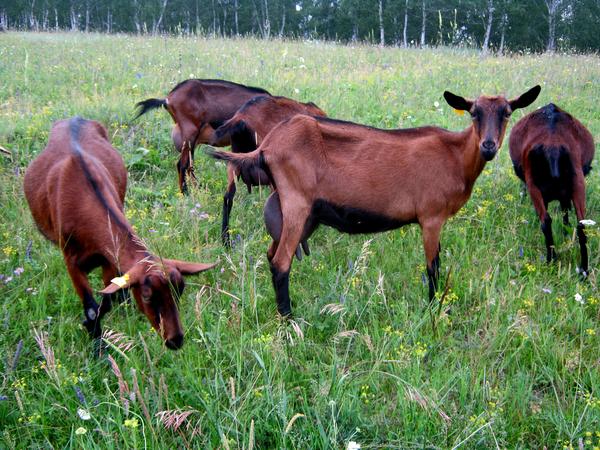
[147, 105]
[246, 164]
[557, 158]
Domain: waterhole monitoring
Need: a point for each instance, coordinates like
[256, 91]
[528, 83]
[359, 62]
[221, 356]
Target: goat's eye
[507, 114]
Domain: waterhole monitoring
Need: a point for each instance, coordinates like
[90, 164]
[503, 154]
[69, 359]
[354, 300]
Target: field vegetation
[509, 359]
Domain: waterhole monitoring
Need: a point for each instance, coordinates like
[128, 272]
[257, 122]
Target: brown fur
[75, 189]
[376, 179]
[245, 131]
[552, 152]
[198, 107]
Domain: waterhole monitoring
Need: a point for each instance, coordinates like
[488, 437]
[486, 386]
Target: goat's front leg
[431, 241]
[90, 307]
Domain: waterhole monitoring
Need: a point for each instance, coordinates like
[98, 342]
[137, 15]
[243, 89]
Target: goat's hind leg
[228, 205]
[90, 307]
[280, 263]
[579, 202]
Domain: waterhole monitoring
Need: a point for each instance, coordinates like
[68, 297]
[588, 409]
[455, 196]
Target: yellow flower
[590, 332]
[80, 431]
[131, 423]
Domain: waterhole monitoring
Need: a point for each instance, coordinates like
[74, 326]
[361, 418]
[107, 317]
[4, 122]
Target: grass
[514, 365]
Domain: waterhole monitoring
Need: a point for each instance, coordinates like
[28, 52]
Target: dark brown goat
[245, 130]
[552, 152]
[198, 107]
[75, 189]
[359, 179]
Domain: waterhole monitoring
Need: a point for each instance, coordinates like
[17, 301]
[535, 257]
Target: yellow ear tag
[121, 281]
[459, 112]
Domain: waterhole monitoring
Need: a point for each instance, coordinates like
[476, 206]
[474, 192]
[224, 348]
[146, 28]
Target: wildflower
[436, 104]
[8, 280]
[590, 332]
[353, 446]
[547, 290]
[80, 431]
[131, 423]
[83, 414]
[530, 268]
[528, 303]
[587, 223]
[9, 251]
[18, 271]
[579, 299]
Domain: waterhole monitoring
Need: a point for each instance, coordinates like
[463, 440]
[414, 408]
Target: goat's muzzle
[488, 150]
[175, 343]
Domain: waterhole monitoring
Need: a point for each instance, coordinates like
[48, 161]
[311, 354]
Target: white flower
[83, 414]
[579, 298]
[436, 104]
[587, 223]
[353, 446]
[297, 91]
[80, 430]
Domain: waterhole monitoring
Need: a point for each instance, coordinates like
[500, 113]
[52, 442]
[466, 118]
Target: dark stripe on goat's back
[407, 131]
[75, 125]
[213, 81]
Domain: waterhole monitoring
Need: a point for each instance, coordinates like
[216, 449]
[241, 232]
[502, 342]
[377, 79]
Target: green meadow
[509, 359]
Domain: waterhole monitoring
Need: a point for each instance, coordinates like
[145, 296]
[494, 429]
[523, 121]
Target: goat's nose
[489, 145]
[175, 342]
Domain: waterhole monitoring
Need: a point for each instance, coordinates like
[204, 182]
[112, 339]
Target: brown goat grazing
[359, 179]
[75, 189]
[245, 130]
[552, 152]
[198, 107]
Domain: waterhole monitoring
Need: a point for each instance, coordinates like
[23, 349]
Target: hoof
[583, 274]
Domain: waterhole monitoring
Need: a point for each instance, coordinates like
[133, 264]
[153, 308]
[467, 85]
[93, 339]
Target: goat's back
[551, 127]
[77, 170]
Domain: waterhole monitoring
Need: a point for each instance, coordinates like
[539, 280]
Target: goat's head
[157, 287]
[490, 116]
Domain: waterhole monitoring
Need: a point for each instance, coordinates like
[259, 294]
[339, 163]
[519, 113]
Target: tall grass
[510, 360]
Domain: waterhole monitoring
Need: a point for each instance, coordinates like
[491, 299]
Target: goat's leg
[579, 202]
[541, 208]
[227, 205]
[431, 241]
[274, 224]
[182, 167]
[83, 289]
[293, 225]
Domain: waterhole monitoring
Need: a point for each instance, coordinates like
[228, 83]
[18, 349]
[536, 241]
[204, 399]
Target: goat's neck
[125, 250]
[473, 163]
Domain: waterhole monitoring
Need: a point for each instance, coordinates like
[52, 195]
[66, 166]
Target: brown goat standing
[245, 130]
[198, 107]
[359, 179]
[75, 189]
[552, 152]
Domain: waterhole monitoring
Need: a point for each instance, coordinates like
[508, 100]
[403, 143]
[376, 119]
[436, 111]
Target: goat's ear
[458, 102]
[525, 99]
[118, 283]
[189, 268]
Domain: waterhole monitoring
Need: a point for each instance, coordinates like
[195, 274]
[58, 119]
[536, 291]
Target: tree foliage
[516, 25]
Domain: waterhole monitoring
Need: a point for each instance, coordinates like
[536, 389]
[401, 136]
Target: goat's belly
[353, 220]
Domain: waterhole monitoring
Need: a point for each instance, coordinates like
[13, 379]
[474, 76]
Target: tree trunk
[405, 31]
[136, 18]
[423, 23]
[160, 18]
[56, 19]
[552, 6]
[74, 24]
[488, 28]
[503, 24]
[282, 28]
[381, 31]
[267, 25]
[235, 16]
[87, 16]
